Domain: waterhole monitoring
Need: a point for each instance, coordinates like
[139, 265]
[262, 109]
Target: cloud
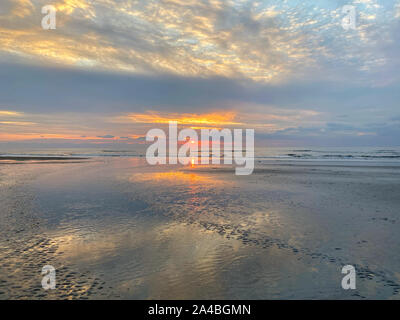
[107, 136]
[9, 113]
[73, 90]
[17, 123]
[226, 118]
[258, 40]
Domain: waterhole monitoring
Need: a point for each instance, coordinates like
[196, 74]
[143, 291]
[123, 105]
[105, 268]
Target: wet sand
[118, 228]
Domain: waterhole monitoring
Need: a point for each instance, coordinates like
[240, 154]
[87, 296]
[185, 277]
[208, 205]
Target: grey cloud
[44, 89]
[339, 126]
[107, 136]
[395, 118]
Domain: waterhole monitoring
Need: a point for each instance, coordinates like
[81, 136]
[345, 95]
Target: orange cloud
[212, 119]
[18, 123]
[23, 8]
[68, 6]
[10, 113]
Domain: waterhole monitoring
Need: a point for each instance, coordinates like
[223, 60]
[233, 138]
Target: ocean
[371, 154]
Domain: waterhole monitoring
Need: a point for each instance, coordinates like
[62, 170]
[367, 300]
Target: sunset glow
[216, 118]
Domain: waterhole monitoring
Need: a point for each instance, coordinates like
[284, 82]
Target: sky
[113, 69]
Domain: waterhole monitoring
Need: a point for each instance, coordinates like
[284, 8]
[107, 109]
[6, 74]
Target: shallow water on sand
[117, 228]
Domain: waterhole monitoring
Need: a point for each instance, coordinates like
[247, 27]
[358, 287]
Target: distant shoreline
[22, 158]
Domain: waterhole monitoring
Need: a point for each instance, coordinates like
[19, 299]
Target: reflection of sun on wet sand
[181, 176]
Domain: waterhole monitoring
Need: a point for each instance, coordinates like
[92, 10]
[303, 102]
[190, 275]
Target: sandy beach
[119, 228]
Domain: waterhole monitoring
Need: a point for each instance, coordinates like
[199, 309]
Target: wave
[343, 156]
